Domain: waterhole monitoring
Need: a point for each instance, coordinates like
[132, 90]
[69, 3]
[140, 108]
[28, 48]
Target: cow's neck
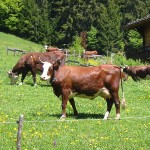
[53, 77]
[15, 70]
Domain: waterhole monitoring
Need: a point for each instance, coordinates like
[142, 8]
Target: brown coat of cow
[89, 82]
[31, 62]
[137, 72]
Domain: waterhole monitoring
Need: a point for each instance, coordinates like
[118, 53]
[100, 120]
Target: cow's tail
[123, 97]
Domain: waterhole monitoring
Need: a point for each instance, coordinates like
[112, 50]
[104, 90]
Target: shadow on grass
[80, 116]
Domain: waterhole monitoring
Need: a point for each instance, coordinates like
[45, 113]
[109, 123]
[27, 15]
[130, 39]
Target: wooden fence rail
[15, 50]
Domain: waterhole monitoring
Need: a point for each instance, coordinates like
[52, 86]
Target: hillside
[11, 41]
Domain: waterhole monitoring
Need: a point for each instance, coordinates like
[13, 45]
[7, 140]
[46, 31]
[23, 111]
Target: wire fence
[22, 123]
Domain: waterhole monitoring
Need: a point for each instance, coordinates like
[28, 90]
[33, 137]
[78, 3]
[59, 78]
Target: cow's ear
[57, 63]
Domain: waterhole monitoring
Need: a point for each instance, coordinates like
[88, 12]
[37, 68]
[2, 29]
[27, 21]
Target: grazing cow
[137, 72]
[87, 82]
[30, 63]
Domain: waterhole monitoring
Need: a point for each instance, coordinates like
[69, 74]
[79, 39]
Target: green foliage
[135, 39]
[9, 12]
[119, 59]
[92, 39]
[77, 45]
[109, 26]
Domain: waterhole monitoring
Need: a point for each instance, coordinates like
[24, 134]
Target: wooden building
[143, 27]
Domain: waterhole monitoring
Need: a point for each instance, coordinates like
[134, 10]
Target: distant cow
[87, 82]
[51, 49]
[31, 62]
[87, 54]
[138, 72]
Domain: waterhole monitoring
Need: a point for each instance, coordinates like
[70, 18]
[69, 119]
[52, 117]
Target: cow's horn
[41, 60]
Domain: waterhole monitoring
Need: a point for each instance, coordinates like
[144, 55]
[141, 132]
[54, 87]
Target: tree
[70, 18]
[9, 18]
[34, 23]
[92, 39]
[109, 28]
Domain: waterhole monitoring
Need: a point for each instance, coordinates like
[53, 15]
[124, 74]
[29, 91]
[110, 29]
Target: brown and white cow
[88, 82]
[31, 62]
[138, 72]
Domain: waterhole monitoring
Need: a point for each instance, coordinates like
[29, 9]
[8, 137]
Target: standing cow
[138, 72]
[31, 62]
[90, 82]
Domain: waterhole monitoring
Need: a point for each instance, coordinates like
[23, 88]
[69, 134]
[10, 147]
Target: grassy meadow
[42, 129]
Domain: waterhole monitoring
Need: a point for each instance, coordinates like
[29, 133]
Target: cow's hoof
[35, 85]
[63, 117]
[20, 84]
[118, 117]
[105, 118]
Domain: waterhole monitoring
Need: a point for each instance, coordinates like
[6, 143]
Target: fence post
[20, 124]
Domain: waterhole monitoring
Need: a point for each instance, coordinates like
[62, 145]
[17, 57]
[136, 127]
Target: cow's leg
[34, 76]
[64, 103]
[109, 106]
[23, 77]
[72, 102]
[117, 105]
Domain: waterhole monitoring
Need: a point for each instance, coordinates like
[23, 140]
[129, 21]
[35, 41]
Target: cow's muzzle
[44, 78]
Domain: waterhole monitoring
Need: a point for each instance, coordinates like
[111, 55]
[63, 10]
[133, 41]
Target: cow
[31, 63]
[88, 82]
[93, 52]
[137, 72]
[88, 54]
[50, 49]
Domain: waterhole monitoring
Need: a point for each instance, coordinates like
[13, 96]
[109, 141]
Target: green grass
[42, 129]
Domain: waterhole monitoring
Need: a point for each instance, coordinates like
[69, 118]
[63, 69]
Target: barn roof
[138, 23]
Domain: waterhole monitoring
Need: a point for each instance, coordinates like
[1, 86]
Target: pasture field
[42, 129]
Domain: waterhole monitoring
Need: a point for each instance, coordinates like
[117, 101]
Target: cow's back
[83, 78]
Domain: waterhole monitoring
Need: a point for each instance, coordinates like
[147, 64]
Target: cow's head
[125, 68]
[48, 68]
[13, 77]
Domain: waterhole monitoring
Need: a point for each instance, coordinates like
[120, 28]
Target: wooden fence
[15, 51]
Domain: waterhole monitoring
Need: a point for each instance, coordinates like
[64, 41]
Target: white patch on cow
[46, 66]
[103, 92]
[45, 46]
[106, 115]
